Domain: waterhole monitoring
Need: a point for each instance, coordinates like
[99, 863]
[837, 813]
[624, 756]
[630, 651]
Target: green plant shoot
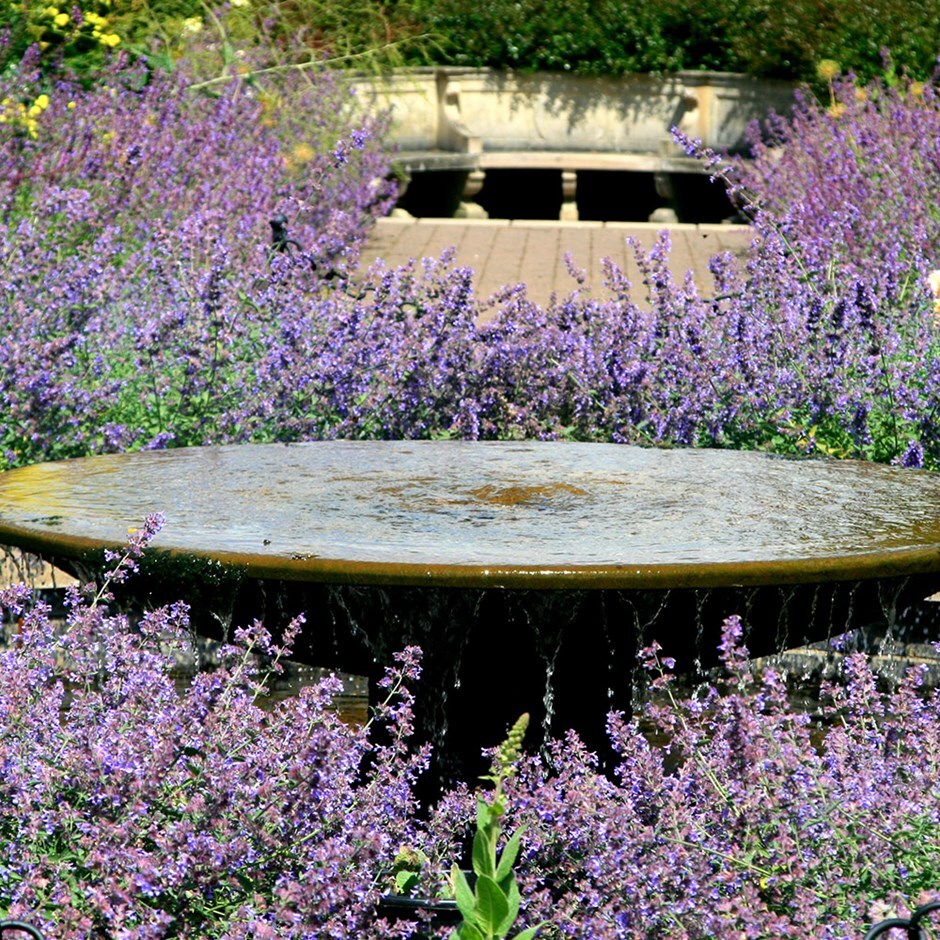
[490, 908]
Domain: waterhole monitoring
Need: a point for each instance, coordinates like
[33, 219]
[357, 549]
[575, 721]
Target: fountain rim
[85, 552]
[900, 563]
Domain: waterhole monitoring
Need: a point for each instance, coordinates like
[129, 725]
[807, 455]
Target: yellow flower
[302, 153]
[191, 25]
[827, 69]
[61, 19]
[42, 102]
[917, 89]
[933, 284]
[71, 106]
[110, 39]
[836, 110]
[270, 105]
[51, 12]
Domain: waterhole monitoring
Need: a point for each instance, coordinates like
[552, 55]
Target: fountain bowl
[530, 573]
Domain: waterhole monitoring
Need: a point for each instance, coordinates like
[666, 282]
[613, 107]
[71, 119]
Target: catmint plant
[137, 259]
[748, 817]
[145, 303]
[133, 807]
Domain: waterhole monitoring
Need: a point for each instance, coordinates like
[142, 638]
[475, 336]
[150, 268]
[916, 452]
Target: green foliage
[251, 35]
[797, 35]
[217, 39]
[610, 37]
[410, 863]
[490, 908]
[594, 37]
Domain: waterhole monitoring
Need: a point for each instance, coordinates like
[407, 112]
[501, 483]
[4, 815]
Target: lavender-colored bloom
[133, 808]
[144, 307]
[753, 821]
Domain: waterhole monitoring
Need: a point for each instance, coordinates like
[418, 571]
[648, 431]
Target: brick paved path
[507, 252]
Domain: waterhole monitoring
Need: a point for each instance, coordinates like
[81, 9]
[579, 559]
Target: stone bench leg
[569, 193]
[469, 208]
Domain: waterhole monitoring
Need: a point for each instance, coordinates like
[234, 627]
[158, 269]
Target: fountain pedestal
[530, 573]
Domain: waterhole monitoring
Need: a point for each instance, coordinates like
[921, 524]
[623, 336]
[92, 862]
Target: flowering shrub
[129, 809]
[824, 341]
[136, 248]
[753, 821]
[143, 305]
[83, 33]
[132, 808]
[844, 194]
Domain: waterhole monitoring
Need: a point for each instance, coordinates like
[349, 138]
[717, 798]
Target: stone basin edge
[889, 564]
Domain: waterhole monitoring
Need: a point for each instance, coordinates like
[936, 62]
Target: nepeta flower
[133, 808]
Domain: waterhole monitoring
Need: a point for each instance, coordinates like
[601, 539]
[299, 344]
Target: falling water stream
[530, 573]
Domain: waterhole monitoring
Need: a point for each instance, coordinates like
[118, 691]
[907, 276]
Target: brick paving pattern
[503, 252]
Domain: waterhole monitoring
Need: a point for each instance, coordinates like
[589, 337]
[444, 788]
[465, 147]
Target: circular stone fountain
[530, 573]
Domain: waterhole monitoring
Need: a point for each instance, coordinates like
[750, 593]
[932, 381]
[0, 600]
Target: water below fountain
[530, 573]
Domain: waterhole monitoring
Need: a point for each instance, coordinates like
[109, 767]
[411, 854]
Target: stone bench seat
[472, 168]
[449, 121]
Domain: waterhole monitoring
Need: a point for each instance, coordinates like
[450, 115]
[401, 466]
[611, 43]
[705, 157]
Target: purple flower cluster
[136, 238]
[751, 821]
[143, 306]
[132, 809]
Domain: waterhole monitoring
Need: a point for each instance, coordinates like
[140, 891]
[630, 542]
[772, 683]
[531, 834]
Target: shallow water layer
[520, 514]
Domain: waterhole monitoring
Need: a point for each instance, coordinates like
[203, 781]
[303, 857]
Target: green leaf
[466, 901]
[485, 814]
[509, 856]
[492, 906]
[529, 933]
[512, 900]
[467, 932]
[484, 862]
[405, 881]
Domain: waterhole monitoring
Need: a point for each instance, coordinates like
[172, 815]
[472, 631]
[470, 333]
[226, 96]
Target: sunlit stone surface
[522, 514]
